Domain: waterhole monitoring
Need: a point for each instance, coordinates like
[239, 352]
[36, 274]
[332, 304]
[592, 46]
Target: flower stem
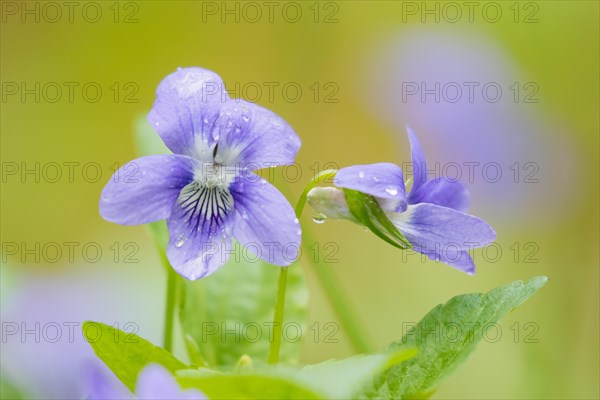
[170, 304]
[278, 317]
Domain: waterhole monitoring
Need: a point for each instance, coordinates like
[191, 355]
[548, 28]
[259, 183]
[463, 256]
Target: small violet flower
[153, 383]
[431, 217]
[206, 190]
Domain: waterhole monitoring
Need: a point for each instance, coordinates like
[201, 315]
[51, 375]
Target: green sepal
[368, 212]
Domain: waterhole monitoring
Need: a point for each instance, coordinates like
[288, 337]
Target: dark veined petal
[264, 221]
[254, 137]
[383, 181]
[200, 230]
[418, 160]
[442, 233]
[186, 109]
[443, 192]
[156, 383]
[144, 190]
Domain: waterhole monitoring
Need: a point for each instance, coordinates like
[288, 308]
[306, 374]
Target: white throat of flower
[207, 200]
[215, 175]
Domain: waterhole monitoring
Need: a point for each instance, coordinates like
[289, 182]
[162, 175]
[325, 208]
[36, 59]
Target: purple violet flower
[431, 217]
[153, 383]
[206, 190]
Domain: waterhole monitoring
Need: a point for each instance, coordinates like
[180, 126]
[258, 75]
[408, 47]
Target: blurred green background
[349, 60]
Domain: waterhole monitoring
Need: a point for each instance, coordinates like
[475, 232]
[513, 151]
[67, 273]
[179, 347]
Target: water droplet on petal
[376, 179]
[299, 232]
[296, 221]
[245, 118]
[361, 174]
[391, 190]
[319, 218]
[179, 242]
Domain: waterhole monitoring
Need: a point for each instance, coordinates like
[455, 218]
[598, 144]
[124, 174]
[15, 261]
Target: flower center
[215, 175]
[206, 201]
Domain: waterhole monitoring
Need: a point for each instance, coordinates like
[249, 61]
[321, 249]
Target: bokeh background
[342, 75]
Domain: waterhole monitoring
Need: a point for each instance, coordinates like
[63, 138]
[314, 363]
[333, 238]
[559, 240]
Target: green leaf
[344, 379]
[229, 314]
[247, 386]
[333, 379]
[8, 390]
[126, 354]
[446, 336]
[367, 211]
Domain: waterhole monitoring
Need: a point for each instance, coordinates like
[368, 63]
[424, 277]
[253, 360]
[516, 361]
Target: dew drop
[319, 218]
[296, 221]
[361, 174]
[391, 190]
[245, 118]
[376, 179]
[179, 242]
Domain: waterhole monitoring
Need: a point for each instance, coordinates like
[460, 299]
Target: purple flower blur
[432, 216]
[153, 383]
[206, 190]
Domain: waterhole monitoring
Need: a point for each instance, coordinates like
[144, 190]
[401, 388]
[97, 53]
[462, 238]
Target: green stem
[170, 304]
[278, 317]
[318, 178]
